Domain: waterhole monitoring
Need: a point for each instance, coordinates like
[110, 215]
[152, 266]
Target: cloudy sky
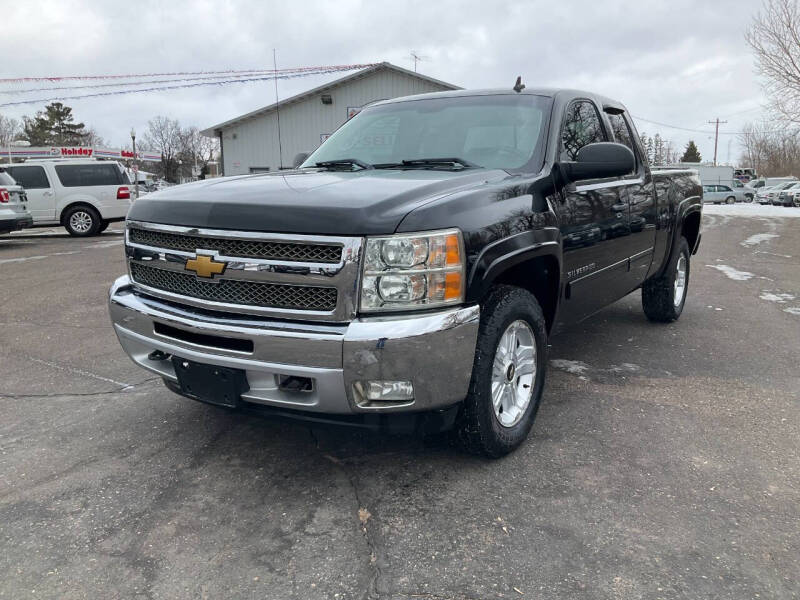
[680, 63]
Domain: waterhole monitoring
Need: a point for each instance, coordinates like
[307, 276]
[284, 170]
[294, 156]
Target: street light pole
[135, 166]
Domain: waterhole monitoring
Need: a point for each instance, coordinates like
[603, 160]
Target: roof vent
[326, 99]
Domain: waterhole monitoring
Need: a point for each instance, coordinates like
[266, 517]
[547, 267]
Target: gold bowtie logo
[205, 266]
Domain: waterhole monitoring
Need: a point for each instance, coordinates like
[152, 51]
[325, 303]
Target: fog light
[383, 391]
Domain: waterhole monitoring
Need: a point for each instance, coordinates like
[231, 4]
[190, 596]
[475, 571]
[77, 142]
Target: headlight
[408, 271]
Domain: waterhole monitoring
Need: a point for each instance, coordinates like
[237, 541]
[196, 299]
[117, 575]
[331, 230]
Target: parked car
[773, 193]
[83, 195]
[14, 214]
[747, 192]
[784, 198]
[724, 194]
[413, 282]
[762, 195]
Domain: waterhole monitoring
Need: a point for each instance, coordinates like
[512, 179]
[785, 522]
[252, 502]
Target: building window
[259, 169]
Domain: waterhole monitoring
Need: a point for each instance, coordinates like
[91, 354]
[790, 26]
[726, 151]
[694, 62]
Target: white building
[249, 143]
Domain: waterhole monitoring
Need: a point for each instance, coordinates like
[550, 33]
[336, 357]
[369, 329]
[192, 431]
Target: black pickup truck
[412, 268]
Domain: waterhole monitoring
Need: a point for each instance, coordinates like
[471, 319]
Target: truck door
[639, 193]
[38, 189]
[594, 222]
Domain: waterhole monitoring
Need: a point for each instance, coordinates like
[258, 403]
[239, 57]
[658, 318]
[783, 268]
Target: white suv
[83, 195]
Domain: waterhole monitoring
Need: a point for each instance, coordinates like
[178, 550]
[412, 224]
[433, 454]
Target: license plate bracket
[222, 386]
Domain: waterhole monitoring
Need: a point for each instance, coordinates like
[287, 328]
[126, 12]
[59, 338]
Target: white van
[83, 195]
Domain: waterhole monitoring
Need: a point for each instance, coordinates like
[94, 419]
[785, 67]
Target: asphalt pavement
[664, 461]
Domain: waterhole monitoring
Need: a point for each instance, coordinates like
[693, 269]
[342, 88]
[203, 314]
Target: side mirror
[598, 160]
[299, 159]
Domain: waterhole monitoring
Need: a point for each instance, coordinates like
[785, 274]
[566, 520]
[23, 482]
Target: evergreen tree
[54, 126]
[692, 154]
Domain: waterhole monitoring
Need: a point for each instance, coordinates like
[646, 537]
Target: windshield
[502, 131]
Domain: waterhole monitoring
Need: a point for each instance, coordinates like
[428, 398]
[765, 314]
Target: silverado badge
[205, 266]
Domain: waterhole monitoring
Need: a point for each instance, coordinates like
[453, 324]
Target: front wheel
[507, 375]
[663, 298]
[82, 221]
[730, 200]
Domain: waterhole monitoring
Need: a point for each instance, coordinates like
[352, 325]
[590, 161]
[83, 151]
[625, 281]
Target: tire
[480, 428]
[730, 200]
[103, 226]
[748, 197]
[662, 299]
[82, 221]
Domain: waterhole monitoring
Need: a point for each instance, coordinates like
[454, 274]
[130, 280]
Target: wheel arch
[76, 203]
[530, 260]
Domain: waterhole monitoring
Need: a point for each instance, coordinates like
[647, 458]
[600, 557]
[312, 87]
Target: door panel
[594, 223]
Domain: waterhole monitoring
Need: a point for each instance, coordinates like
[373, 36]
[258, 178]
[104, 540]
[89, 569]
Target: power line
[323, 71]
[174, 74]
[703, 131]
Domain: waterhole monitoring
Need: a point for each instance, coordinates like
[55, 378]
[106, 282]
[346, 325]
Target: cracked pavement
[663, 464]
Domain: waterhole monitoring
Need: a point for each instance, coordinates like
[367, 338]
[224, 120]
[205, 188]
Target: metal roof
[213, 131]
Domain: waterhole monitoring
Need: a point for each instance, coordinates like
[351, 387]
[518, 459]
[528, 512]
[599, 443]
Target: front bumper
[434, 351]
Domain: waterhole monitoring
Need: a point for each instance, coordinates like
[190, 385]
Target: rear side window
[31, 178]
[581, 127]
[88, 175]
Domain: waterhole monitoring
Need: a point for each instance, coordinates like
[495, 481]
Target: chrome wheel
[680, 281]
[81, 221]
[513, 373]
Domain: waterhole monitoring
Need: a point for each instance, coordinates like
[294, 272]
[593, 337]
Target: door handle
[47, 194]
[619, 207]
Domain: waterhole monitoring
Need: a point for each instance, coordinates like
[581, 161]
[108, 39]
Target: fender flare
[687, 207]
[505, 253]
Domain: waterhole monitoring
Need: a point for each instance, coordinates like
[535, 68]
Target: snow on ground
[779, 298]
[755, 240]
[751, 210]
[793, 310]
[732, 273]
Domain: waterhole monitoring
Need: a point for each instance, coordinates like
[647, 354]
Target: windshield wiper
[344, 162]
[437, 162]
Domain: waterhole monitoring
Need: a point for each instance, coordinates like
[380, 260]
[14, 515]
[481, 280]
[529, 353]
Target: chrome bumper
[434, 351]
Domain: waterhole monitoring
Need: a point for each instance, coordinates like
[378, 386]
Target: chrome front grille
[233, 291]
[270, 250]
[281, 275]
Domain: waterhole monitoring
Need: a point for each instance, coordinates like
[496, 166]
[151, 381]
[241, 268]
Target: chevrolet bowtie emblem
[205, 266]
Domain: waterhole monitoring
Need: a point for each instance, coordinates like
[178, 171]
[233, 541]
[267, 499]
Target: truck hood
[368, 202]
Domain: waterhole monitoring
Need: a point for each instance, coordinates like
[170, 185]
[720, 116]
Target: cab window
[582, 126]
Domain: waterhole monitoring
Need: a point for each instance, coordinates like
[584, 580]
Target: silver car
[14, 213]
[723, 194]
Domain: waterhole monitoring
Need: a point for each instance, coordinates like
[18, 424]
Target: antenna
[277, 111]
[417, 58]
[518, 86]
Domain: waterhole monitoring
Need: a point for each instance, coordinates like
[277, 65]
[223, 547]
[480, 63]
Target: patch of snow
[575, 367]
[779, 298]
[732, 273]
[626, 368]
[751, 210]
[793, 310]
[756, 239]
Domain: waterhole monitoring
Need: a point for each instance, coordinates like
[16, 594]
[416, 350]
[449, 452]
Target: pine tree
[692, 154]
[54, 126]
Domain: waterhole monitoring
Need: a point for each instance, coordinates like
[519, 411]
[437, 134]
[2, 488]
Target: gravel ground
[663, 464]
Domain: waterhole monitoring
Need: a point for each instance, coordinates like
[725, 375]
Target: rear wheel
[507, 375]
[730, 200]
[663, 298]
[82, 221]
[103, 226]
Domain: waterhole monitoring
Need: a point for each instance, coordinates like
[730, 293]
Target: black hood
[365, 202]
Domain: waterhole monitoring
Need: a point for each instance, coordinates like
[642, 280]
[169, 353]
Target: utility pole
[277, 111]
[716, 123]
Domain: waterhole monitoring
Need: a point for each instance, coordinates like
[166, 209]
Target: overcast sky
[679, 62]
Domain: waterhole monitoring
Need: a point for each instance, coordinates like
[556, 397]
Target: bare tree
[93, 139]
[198, 149]
[10, 129]
[164, 135]
[771, 152]
[774, 37]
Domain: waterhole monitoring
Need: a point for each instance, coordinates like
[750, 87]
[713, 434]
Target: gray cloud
[681, 62]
